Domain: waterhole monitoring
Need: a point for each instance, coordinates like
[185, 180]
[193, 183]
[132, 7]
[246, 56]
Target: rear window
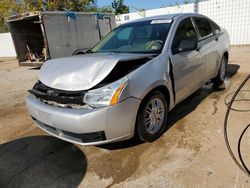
[204, 27]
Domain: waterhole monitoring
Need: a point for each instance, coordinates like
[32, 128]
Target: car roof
[166, 16]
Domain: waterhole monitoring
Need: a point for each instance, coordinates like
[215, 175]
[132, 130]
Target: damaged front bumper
[89, 126]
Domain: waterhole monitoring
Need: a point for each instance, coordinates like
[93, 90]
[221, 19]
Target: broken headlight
[107, 95]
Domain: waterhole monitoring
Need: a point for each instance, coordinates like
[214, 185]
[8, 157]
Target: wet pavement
[191, 153]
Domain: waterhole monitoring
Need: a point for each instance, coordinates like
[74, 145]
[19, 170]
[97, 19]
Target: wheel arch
[161, 88]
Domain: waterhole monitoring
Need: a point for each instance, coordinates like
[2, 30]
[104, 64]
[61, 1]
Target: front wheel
[152, 117]
[219, 79]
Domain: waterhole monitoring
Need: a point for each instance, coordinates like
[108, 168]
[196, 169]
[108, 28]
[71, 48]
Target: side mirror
[186, 45]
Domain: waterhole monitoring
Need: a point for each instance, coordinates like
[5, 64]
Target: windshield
[138, 37]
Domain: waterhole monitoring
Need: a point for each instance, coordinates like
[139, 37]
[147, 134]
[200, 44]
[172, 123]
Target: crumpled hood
[81, 72]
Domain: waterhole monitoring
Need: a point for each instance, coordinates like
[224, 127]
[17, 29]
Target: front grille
[47, 93]
[83, 138]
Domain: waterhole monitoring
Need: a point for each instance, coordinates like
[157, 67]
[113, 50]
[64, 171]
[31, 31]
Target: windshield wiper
[110, 51]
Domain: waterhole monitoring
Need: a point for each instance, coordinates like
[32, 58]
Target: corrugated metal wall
[233, 15]
[6, 45]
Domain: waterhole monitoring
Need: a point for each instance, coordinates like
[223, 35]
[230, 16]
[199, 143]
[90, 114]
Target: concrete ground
[192, 152]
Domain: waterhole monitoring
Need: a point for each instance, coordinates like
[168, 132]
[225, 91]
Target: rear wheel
[219, 79]
[152, 117]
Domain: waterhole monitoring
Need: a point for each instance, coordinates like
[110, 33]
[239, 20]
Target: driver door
[188, 63]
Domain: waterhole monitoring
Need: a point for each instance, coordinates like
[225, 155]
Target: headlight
[107, 95]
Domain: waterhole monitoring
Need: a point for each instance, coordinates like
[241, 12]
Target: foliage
[104, 9]
[6, 9]
[107, 9]
[186, 1]
[69, 5]
[119, 7]
[13, 7]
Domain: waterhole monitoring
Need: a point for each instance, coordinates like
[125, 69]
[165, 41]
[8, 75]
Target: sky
[146, 4]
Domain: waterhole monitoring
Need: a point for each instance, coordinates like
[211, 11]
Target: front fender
[149, 76]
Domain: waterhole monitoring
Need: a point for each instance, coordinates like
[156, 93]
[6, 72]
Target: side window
[204, 27]
[185, 35]
[216, 28]
[124, 34]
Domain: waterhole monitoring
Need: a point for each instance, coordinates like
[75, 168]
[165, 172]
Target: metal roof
[166, 16]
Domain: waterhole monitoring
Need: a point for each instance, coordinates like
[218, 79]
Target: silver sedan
[126, 85]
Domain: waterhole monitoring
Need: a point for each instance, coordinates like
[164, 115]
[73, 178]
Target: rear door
[188, 66]
[208, 44]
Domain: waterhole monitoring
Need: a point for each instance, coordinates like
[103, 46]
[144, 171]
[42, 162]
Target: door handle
[216, 39]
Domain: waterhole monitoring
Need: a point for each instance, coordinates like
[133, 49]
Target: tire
[151, 120]
[219, 79]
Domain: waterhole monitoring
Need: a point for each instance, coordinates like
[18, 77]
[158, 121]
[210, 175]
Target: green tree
[12, 7]
[104, 9]
[93, 7]
[119, 7]
[7, 7]
[70, 5]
